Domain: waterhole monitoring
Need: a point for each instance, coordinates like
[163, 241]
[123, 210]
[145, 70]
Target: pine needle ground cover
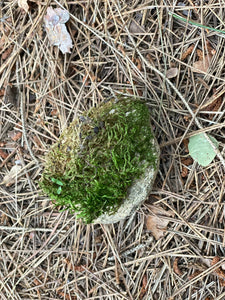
[173, 246]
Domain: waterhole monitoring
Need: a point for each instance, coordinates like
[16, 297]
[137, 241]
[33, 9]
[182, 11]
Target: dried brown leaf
[135, 28]
[202, 65]
[156, 223]
[157, 226]
[157, 210]
[172, 72]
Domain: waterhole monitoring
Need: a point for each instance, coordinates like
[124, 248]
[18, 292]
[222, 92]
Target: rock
[110, 166]
[137, 194]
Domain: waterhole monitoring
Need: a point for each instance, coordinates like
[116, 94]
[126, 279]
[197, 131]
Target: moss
[98, 157]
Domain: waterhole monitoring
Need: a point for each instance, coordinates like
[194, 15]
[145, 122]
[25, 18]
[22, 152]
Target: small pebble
[96, 129]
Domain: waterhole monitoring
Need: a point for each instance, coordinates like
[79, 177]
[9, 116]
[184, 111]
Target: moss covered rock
[104, 164]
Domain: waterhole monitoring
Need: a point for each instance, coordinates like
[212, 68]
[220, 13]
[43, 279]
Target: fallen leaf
[58, 35]
[172, 72]
[9, 179]
[135, 28]
[202, 65]
[201, 150]
[156, 222]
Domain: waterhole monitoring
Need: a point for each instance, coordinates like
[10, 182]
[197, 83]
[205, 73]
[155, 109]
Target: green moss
[98, 157]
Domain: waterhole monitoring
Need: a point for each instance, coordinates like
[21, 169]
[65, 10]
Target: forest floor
[169, 53]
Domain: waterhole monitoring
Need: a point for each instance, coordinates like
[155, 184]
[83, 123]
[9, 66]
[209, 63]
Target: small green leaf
[201, 150]
[59, 190]
[57, 181]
